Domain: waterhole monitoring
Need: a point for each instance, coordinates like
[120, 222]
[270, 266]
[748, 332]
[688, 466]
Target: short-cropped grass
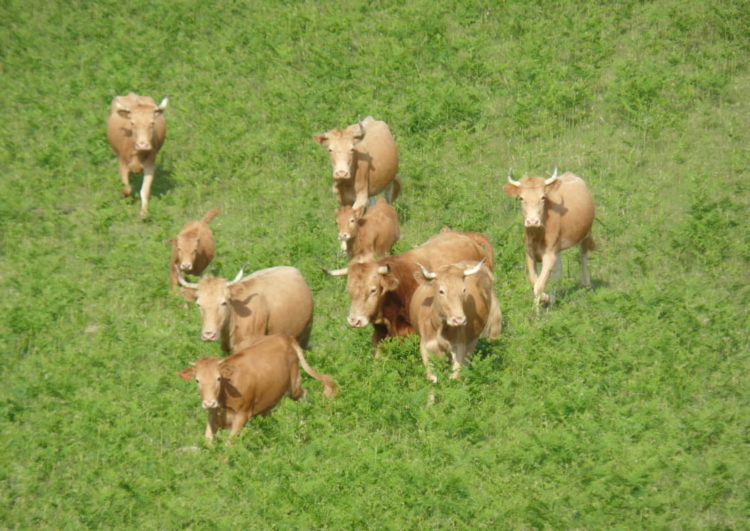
[622, 406]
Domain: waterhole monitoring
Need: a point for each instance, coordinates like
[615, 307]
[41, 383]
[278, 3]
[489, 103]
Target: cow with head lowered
[365, 161]
[452, 307]
[251, 382]
[369, 234]
[276, 300]
[193, 249]
[381, 290]
[136, 129]
[558, 213]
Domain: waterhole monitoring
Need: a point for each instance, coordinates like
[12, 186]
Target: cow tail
[211, 214]
[329, 386]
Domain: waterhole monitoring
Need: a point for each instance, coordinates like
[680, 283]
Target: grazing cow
[451, 308]
[276, 300]
[381, 291]
[370, 235]
[251, 382]
[365, 161]
[193, 249]
[136, 129]
[558, 213]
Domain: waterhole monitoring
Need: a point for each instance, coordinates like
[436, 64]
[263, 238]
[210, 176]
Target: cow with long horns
[364, 157]
[558, 213]
[276, 300]
[136, 130]
[451, 308]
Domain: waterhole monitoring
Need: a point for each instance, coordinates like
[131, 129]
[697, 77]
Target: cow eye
[441, 291]
[373, 290]
[197, 380]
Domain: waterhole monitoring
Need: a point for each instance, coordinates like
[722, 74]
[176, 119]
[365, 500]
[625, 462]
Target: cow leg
[212, 427]
[148, 179]
[125, 178]
[458, 359]
[295, 388]
[548, 262]
[531, 268]
[393, 190]
[557, 271]
[494, 319]
[238, 422]
[423, 350]
[586, 244]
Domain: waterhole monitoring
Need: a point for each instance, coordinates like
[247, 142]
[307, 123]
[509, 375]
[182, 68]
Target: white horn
[384, 270]
[239, 275]
[163, 104]
[510, 178]
[336, 272]
[551, 179]
[184, 283]
[429, 275]
[119, 105]
[474, 269]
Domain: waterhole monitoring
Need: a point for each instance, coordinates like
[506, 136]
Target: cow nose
[143, 146]
[457, 321]
[209, 404]
[341, 174]
[344, 236]
[209, 336]
[186, 267]
[533, 223]
[356, 322]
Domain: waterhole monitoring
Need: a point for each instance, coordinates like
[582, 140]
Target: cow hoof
[126, 192]
[456, 375]
[432, 378]
[144, 215]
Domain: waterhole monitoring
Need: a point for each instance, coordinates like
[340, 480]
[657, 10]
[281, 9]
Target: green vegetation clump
[621, 406]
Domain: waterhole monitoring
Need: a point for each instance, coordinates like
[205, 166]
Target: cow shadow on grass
[162, 183]
[570, 292]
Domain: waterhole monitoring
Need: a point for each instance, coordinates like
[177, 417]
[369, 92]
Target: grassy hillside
[626, 405]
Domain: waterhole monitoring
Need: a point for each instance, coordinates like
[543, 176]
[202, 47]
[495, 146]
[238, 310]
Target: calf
[136, 129]
[558, 213]
[193, 249]
[251, 382]
[451, 308]
[365, 161]
[371, 235]
[276, 300]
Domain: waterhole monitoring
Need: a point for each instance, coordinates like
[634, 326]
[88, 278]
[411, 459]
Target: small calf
[371, 235]
[251, 382]
[193, 249]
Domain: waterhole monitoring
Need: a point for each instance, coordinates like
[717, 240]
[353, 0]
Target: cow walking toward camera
[251, 382]
[276, 300]
[193, 249]
[558, 213]
[365, 161]
[451, 308]
[136, 130]
[371, 235]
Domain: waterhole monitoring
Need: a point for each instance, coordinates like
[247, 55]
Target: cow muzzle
[533, 222]
[344, 236]
[143, 146]
[456, 321]
[186, 266]
[341, 174]
[209, 336]
[210, 404]
[357, 322]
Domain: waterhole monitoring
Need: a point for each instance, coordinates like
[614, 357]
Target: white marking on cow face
[213, 299]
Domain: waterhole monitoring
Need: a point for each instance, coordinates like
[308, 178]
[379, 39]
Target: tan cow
[365, 161]
[371, 235]
[193, 249]
[251, 382]
[136, 129]
[451, 308]
[381, 291]
[558, 213]
[276, 300]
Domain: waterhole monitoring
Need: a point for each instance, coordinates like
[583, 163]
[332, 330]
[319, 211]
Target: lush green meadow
[622, 406]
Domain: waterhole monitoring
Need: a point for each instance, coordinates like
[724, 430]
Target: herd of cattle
[441, 290]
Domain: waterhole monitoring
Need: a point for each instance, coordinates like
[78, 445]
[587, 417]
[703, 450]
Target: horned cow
[136, 130]
[558, 213]
[251, 382]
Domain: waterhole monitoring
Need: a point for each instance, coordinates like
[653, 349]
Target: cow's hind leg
[295, 385]
[238, 422]
[586, 245]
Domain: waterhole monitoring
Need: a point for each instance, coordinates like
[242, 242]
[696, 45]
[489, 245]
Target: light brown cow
[451, 308]
[381, 291]
[136, 129]
[276, 300]
[193, 249]
[365, 161]
[371, 235]
[558, 213]
[251, 382]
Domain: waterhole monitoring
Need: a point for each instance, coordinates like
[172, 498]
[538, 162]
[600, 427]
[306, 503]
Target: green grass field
[625, 406]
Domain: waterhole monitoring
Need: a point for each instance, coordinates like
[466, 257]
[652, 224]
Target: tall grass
[625, 406]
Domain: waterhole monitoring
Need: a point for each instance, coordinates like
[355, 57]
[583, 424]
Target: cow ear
[124, 113]
[226, 370]
[189, 294]
[511, 189]
[321, 139]
[187, 374]
[389, 282]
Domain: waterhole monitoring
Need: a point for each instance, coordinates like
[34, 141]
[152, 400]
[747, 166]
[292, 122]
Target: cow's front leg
[425, 352]
[211, 426]
[361, 191]
[549, 258]
[238, 422]
[148, 179]
[125, 178]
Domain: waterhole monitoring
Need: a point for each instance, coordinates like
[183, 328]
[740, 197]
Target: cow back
[377, 155]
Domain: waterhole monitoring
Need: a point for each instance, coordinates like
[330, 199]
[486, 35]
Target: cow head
[368, 284]
[208, 373]
[213, 296]
[142, 117]
[449, 291]
[532, 192]
[348, 221]
[340, 144]
[186, 246]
